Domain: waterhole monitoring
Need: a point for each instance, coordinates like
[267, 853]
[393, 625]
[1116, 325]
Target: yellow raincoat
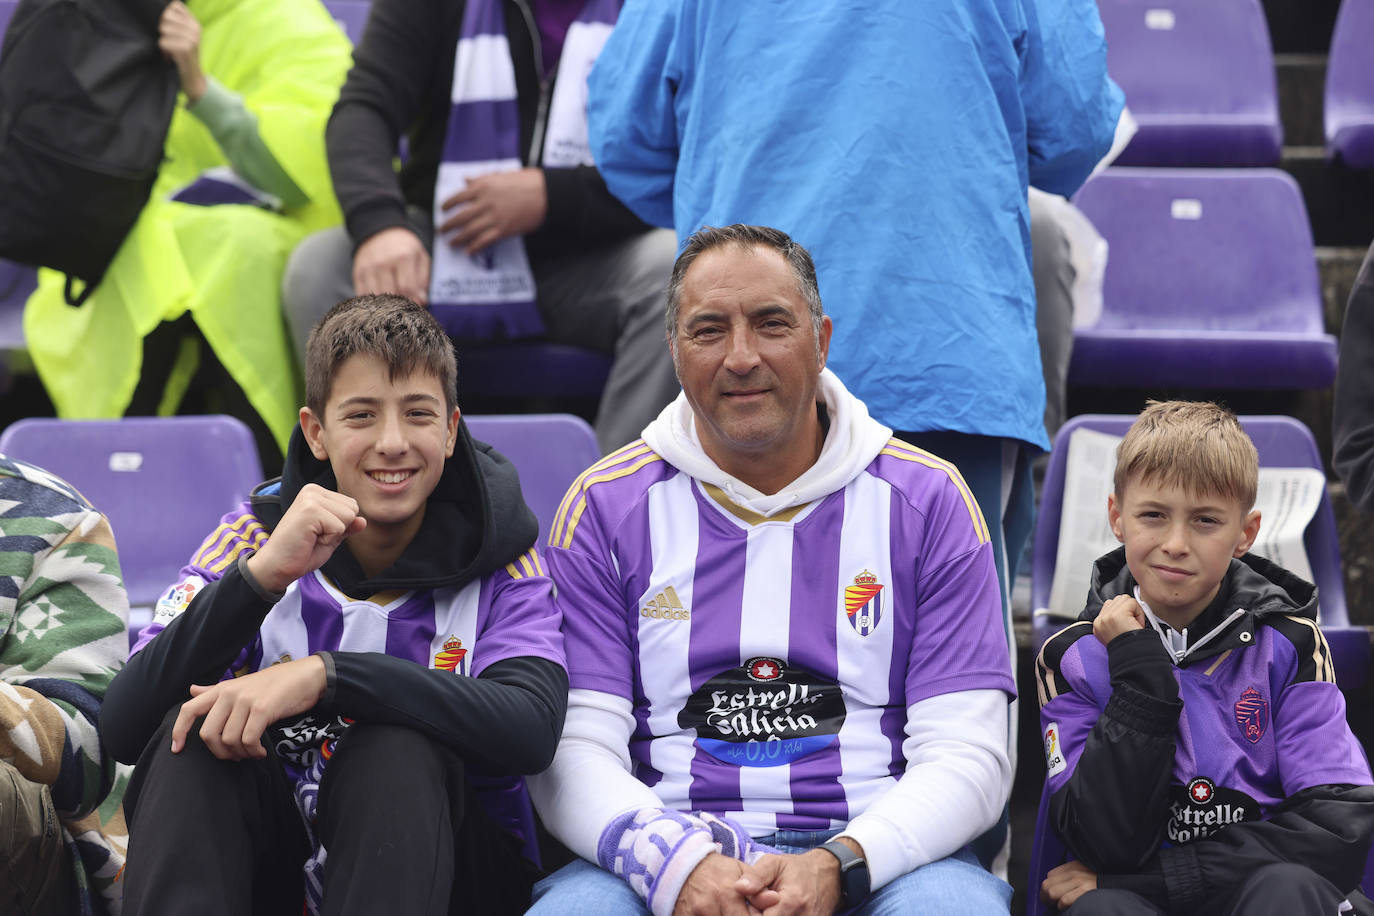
[223, 264]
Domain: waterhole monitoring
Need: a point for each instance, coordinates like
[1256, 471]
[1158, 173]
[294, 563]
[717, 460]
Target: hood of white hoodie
[852, 442]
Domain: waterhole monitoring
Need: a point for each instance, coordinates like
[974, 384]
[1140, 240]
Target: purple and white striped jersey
[503, 615]
[770, 661]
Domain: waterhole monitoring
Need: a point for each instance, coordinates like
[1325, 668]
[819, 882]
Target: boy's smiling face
[386, 440]
[1179, 544]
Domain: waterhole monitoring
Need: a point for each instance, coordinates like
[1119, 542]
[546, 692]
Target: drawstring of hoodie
[1175, 642]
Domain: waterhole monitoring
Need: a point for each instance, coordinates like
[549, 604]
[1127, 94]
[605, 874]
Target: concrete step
[1340, 200]
[1301, 85]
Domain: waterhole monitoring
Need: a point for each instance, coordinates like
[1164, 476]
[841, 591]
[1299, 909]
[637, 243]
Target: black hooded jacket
[1113, 811]
[507, 720]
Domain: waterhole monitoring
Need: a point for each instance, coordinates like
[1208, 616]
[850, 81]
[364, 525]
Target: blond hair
[1196, 446]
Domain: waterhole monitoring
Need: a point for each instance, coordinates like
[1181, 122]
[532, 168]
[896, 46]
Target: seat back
[351, 15]
[1199, 79]
[1204, 250]
[1211, 282]
[549, 451]
[163, 482]
[1281, 442]
[1349, 104]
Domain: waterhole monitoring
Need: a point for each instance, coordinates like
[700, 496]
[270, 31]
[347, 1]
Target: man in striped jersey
[372, 650]
[789, 676]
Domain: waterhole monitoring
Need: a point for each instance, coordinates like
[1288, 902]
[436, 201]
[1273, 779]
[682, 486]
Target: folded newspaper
[1287, 499]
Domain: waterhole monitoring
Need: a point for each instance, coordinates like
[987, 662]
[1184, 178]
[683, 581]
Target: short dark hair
[399, 332]
[745, 236]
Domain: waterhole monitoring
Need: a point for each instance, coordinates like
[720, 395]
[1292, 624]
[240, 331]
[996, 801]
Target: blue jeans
[956, 886]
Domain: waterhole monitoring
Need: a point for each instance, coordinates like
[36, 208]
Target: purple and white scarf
[492, 294]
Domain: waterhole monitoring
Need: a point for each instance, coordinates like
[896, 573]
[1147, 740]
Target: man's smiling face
[747, 354]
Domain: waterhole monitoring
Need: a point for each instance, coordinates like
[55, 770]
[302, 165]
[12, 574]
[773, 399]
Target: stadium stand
[1200, 80]
[1349, 104]
[162, 482]
[1281, 442]
[1210, 282]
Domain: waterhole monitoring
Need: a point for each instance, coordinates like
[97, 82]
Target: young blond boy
[371, 649]
[1198, 755]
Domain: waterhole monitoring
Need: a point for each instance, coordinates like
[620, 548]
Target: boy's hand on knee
[308, 534]
[238, 711]
[1121, 614]
[1066, 883]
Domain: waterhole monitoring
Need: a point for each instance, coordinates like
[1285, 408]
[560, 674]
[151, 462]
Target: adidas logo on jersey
[665, 606]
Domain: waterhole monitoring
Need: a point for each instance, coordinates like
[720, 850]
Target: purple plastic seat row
[163, 482]
[1349, 106]
[1199, 79]
[1211, 282]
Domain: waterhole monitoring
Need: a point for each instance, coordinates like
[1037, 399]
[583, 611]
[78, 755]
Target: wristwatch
[854, 882]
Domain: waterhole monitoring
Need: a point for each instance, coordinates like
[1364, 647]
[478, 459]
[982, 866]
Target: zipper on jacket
[541, 113]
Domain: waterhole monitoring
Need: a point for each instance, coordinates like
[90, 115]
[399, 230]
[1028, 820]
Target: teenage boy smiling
[323, 632]
[1198, 755]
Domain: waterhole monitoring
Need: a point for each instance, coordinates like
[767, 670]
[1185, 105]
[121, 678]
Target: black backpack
[86, 99]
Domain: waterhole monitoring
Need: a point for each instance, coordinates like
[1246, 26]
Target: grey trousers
[1054, 277]
[610, 300]
[35, 869]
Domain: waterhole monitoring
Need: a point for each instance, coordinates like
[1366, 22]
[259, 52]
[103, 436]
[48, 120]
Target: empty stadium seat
[549, 451]
[1281, 442]
[163, 482]
[1349, 107]
[1211, 282]
[1199, 79]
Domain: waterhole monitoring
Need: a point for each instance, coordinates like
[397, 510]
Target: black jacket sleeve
[1326, 828]
[507, 719]
[197, 647]
[1122, 776]
[1353, 409]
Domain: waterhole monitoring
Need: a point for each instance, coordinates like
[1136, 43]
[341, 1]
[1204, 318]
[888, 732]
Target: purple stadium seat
[6, 11]
[1281, 442]
[1211, 282]
[1199, 79]
[1349, 108]
[549, 450]
[351, 15]
[163, 482]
